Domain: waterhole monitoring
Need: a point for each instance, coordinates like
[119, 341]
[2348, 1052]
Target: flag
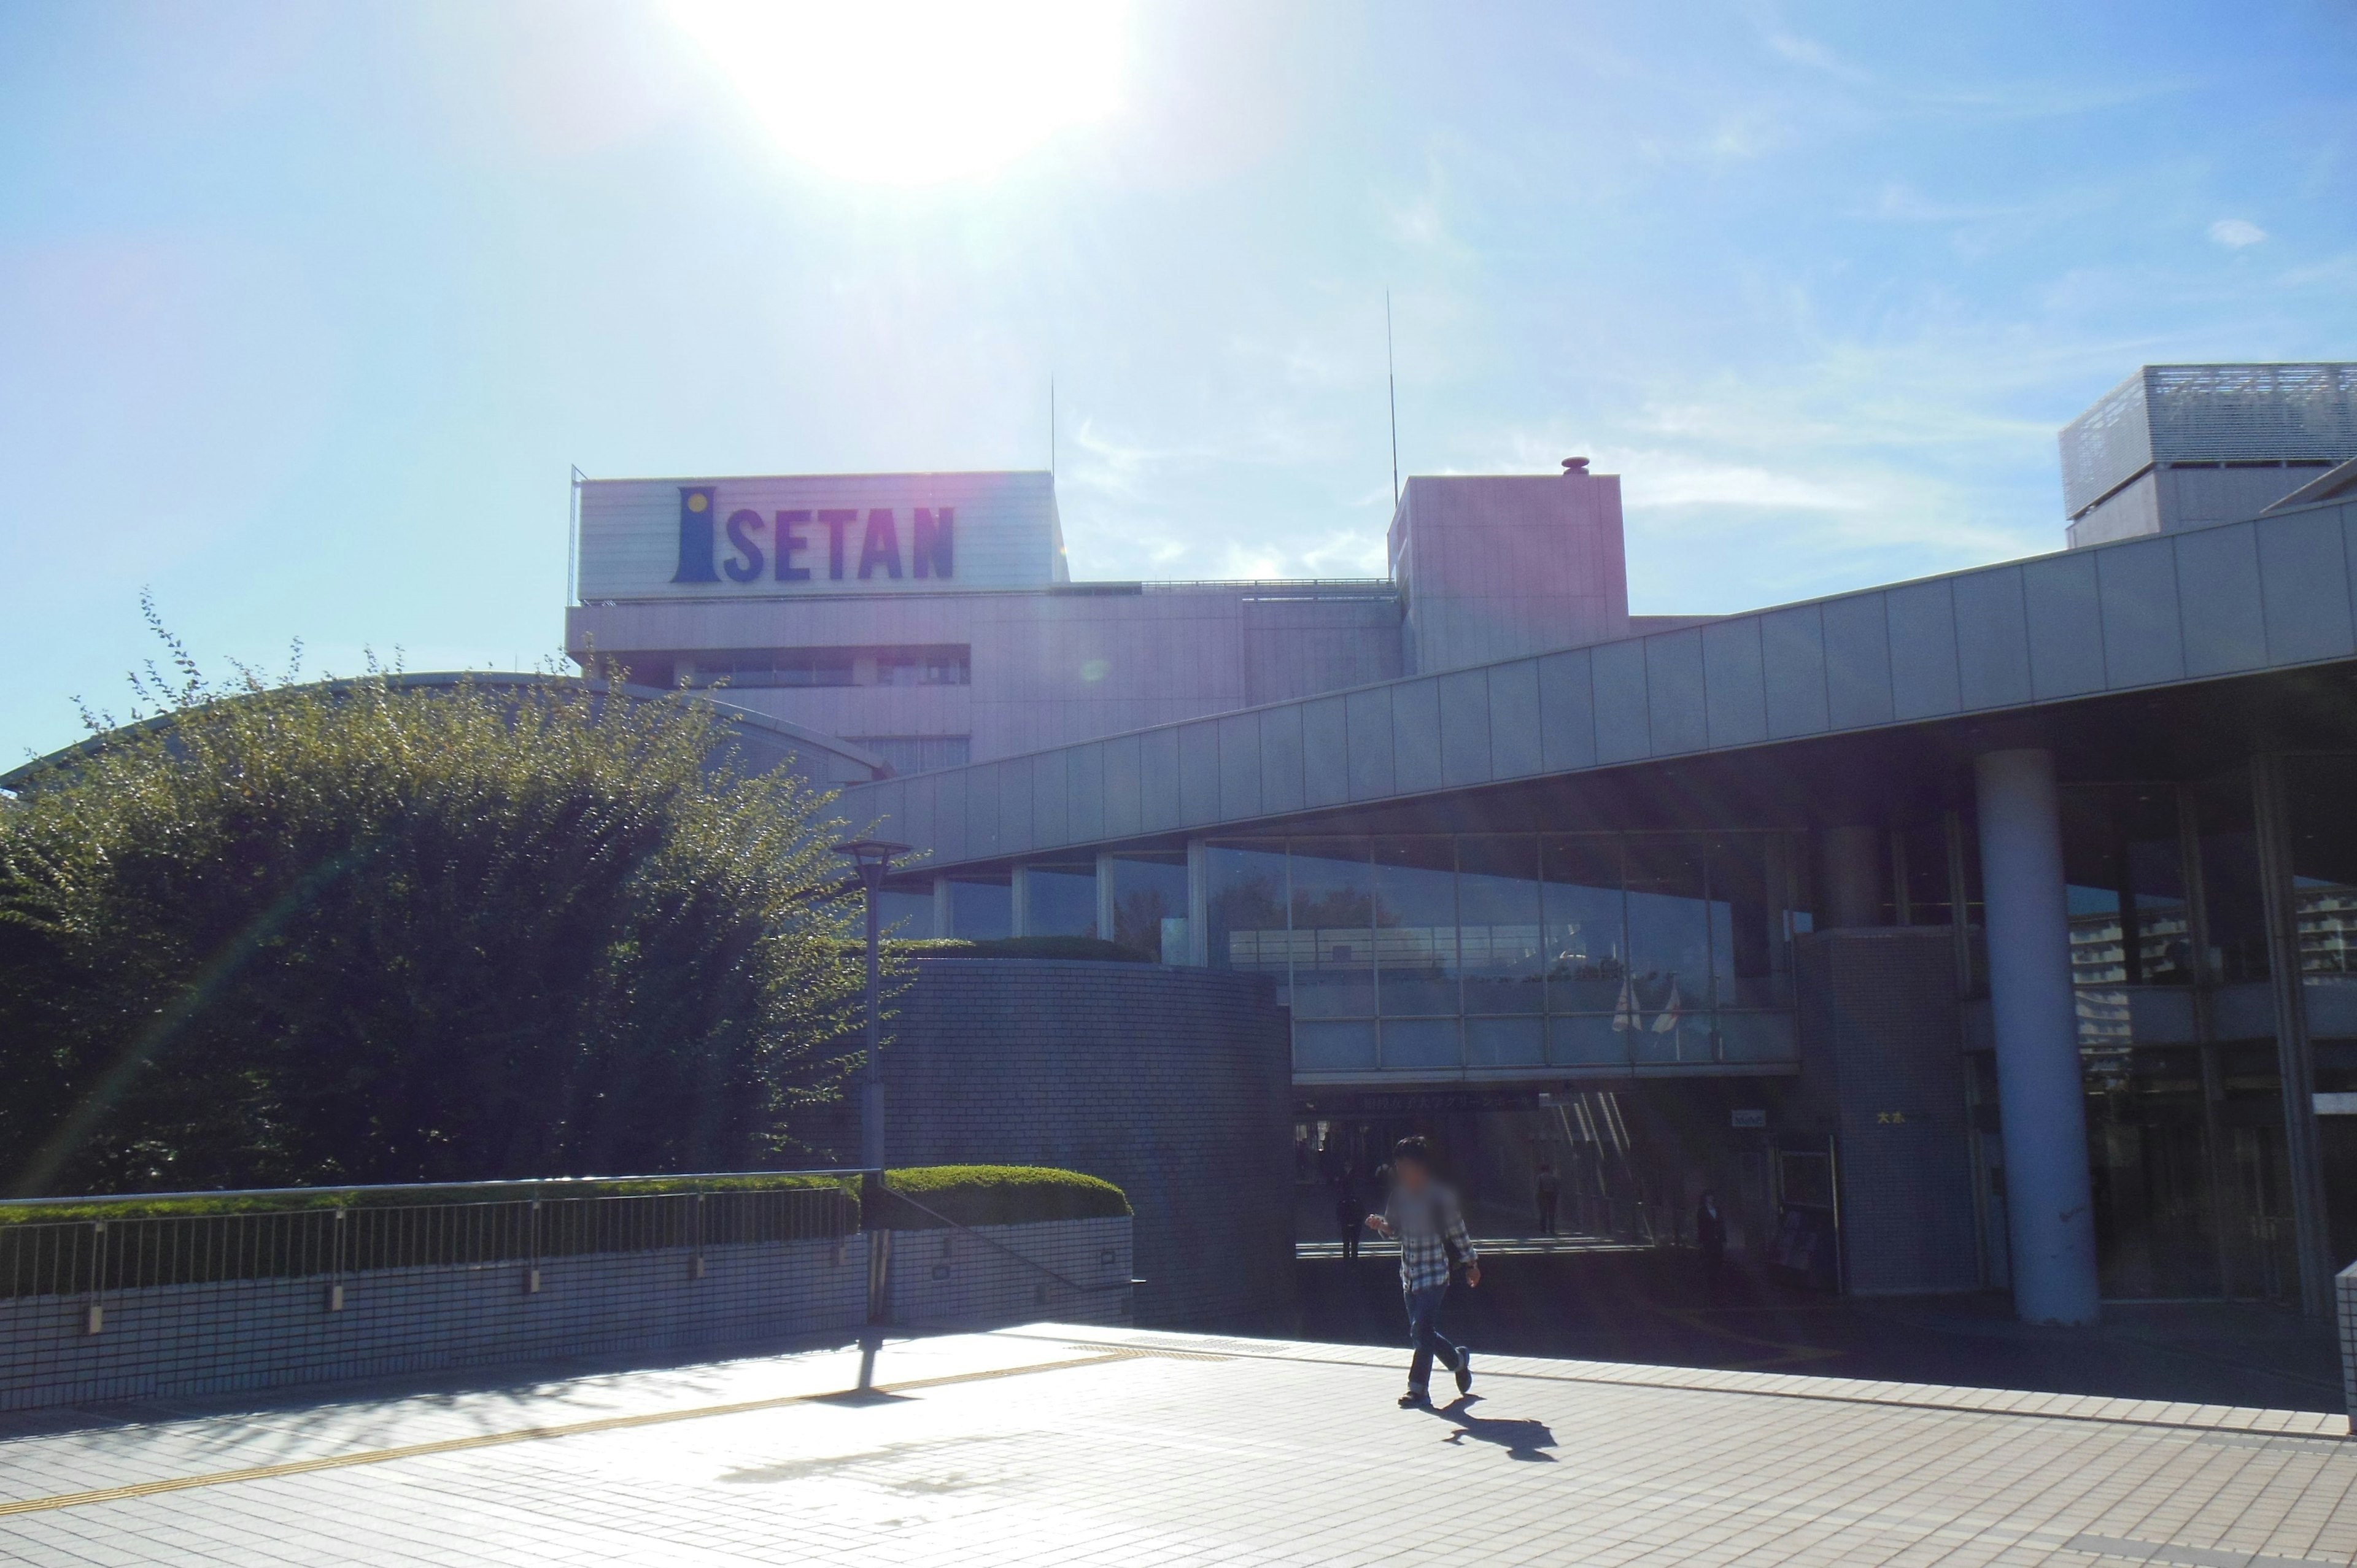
[1671, 1011]
[1624, 1015]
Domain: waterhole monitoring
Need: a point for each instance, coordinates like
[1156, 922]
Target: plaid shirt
[1429, 1224]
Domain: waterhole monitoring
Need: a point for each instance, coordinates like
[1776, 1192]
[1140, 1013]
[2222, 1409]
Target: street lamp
[873, 860]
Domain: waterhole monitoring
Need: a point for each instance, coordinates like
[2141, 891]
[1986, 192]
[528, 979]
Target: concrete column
[1105, 916]
[2048, 1202]
[1019, 901]
[941, 908]
[1852, 878]
[1198, 903]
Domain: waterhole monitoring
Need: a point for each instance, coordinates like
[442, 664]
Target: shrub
[363, 933]
[996, 1195]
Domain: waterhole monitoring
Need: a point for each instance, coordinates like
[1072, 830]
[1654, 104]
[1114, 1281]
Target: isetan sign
[797, 535]
[780, 543]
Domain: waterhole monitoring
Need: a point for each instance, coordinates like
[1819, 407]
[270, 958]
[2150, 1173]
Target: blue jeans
[1424, 1333]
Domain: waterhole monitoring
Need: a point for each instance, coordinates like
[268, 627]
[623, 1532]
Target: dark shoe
[1464, 1372]
[1413, 1398]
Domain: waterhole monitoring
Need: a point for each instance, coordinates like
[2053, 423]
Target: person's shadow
[1520, 1439]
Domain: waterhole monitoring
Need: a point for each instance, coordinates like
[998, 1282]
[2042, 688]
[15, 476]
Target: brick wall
[1882, 1053]
[1173, 1084]
[176, 1340]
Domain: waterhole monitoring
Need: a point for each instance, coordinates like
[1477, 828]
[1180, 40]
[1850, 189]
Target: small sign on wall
[1748, 1119]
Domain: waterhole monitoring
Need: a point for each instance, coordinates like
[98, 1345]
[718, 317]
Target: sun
[914, 91]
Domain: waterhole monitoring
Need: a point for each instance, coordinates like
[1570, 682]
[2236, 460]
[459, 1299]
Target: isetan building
[1991, 928]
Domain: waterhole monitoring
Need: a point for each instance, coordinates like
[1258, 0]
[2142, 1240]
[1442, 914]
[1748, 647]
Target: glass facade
[982, 909]
[1061, 900]
[1423, 953]
[2170, 961]
[1150, 906]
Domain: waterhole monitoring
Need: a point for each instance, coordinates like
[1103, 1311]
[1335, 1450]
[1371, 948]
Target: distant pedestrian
[1546, 1191]
[1430, 1227]
[1710, 1235]
[1349, 1211]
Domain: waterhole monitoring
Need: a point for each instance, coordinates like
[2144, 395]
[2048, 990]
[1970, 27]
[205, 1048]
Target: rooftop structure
[2180, 445]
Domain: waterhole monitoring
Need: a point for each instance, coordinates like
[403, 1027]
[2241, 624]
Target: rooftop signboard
[789, 536]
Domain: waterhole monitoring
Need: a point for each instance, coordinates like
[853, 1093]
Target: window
[1061, 900]
[1150, 906]
[772, 667]
[937, 664]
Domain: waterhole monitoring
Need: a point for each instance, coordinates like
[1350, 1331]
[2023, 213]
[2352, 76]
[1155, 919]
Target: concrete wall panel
[1734, 681]
[2304, 578]
[1793, 660]
[1124, 795]
[1280, 759]
[1925, 679]
[1051, 821]
[983, 798]
[1857, 661]
[1199, 773]
[1567, 711]
[2221, 610]
[1515, 738]
[1158, 780]
[1677, 711]
[1368, 714]
[1085, 787]
[1464, 727]
[1240, 794]
[2143, 638]
[1623, 717]
[1015, 805]
[2066, 624]
[1416, 736]
[1325, 752]
[1991, 638]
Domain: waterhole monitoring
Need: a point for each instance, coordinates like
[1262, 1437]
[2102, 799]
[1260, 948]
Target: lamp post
[873, 859]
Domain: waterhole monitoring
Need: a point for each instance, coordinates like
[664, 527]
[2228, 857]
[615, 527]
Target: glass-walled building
[2015, 908]
[1522, 951]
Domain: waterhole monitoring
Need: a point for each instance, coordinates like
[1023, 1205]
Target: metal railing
[363, 1230]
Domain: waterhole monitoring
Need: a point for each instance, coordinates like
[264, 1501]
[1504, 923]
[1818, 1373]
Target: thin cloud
[2236, 232]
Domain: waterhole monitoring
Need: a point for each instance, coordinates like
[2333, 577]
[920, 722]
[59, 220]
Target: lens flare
[914, 91]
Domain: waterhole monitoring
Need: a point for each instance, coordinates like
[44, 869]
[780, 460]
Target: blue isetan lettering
[881, 545]
[745, 566]
[836, 518]
[790, 544]
[929, 541]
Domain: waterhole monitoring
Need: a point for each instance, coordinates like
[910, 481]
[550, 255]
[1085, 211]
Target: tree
[365, 933]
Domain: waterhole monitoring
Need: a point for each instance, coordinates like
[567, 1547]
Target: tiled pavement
[1067, 1445]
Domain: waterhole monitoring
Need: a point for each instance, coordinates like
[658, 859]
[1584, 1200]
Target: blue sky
[307, 310]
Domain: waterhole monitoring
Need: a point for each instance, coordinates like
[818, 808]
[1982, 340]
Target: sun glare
[910, 92]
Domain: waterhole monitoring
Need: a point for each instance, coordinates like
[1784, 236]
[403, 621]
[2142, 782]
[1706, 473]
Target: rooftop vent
[1574, 466]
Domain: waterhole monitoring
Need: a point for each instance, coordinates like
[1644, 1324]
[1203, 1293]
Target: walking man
[1547, 1190]
[1422, 1215]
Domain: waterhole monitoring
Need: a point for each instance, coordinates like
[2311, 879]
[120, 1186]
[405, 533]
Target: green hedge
[965, 1195]
[996, 1195]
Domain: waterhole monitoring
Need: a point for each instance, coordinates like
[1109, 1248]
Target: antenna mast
[1391, 375]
